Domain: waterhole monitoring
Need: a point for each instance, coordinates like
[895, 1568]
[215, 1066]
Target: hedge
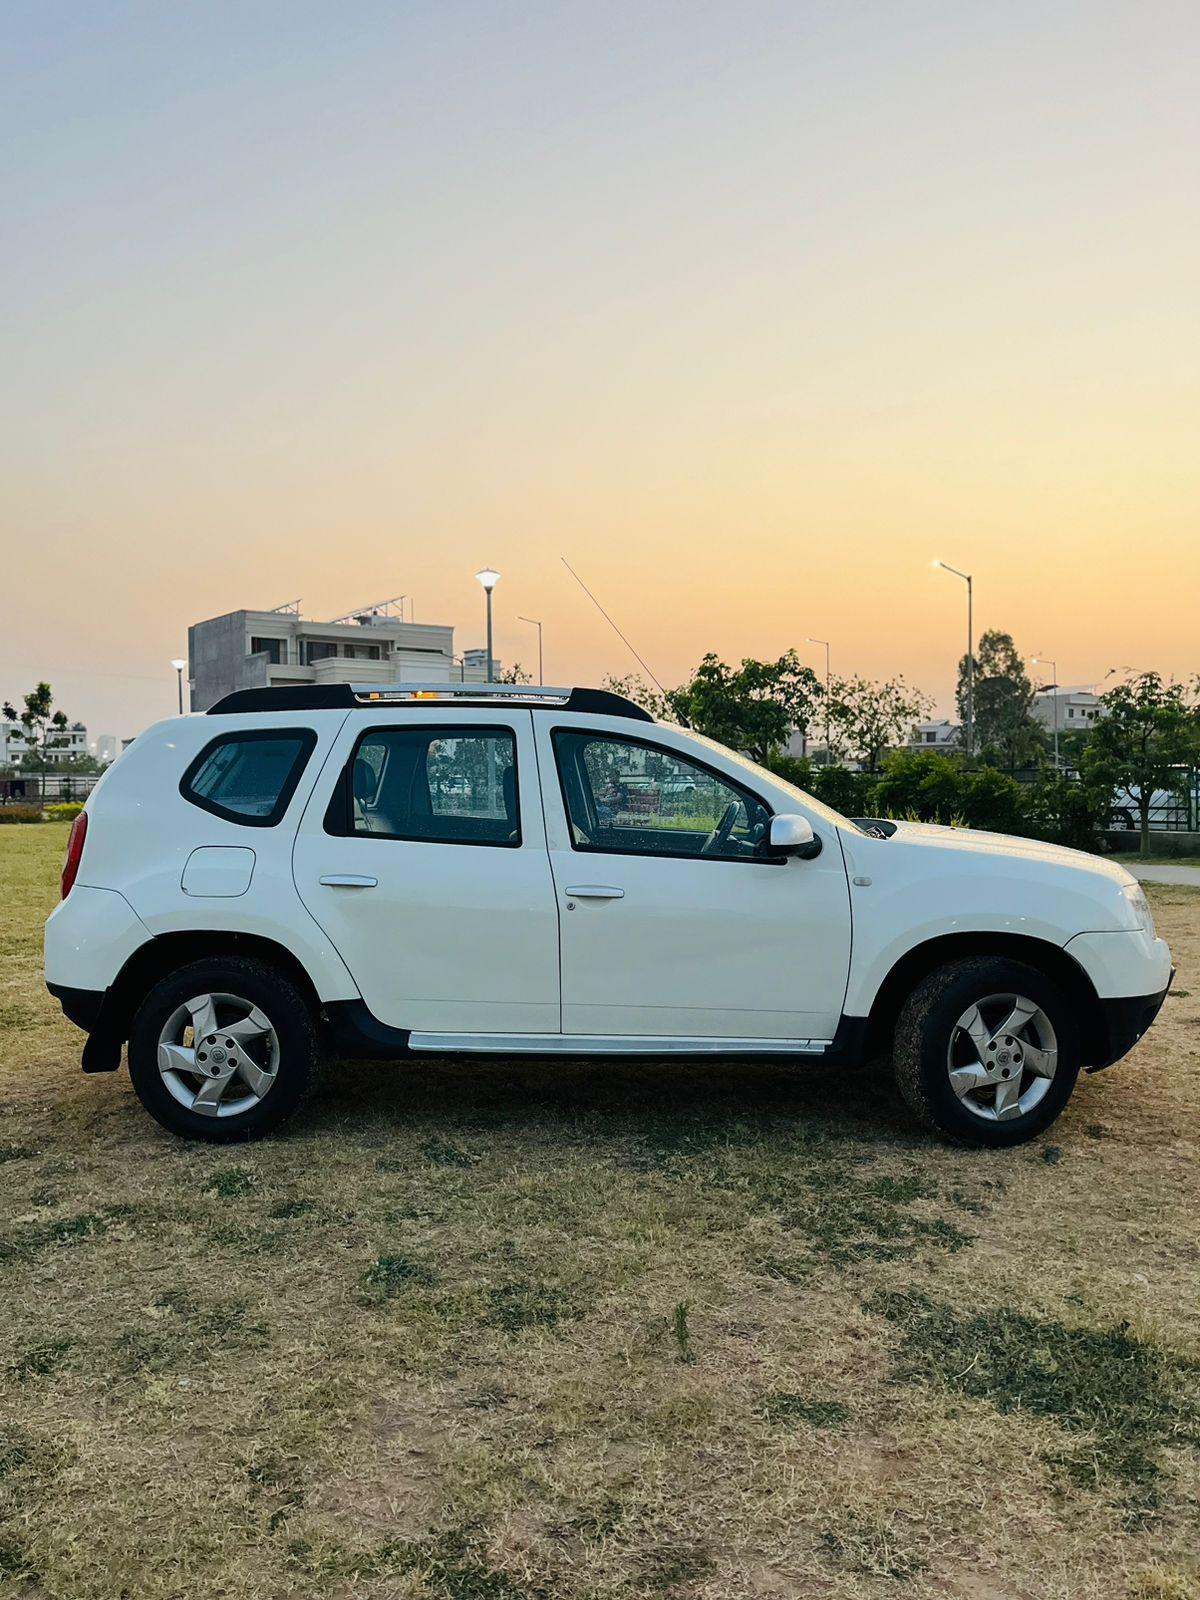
[64, 810]
[20, 814]
[922, 786]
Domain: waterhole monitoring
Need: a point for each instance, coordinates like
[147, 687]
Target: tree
[866, 718]
[755, 707]
[42, 727]
[1005, 730]
[1150, 731]
[639, 691]
[514, 674]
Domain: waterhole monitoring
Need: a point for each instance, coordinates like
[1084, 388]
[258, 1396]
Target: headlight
[1135, 895]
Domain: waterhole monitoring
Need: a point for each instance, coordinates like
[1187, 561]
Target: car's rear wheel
[987, 1051]
[223, 1049]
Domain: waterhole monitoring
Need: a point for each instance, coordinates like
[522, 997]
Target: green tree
[1005, 731]
[639, 691]
[43, 728]
[1150, 730]
[867, 719]
[754, 707]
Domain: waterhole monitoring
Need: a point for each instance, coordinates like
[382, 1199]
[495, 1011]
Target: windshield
[752, 767]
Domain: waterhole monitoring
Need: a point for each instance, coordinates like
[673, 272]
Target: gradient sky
[748, 309]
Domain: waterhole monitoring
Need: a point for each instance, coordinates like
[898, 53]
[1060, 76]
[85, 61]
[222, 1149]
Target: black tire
[922, 1042]
[265, 987]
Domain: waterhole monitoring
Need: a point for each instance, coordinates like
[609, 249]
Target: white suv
[527, 870]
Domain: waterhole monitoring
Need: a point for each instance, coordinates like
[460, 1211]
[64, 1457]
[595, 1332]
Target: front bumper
[1124, 1021]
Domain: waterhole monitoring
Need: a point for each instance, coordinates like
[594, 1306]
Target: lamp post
[489, 578]
[825, 642]
[533, 622]
[1045, 661]
[179, 666]
[969, 581]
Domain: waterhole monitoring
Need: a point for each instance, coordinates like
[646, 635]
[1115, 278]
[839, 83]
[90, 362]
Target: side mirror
[792, 836]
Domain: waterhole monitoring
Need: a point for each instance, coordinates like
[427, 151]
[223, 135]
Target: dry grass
[539, 1332]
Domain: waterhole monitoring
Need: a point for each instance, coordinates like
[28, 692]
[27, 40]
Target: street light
[533, 622]
[968, 580]
[179, 666]
[489, 578]
[825, 642]
[1045, 661]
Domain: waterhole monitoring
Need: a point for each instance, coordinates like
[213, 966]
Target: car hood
[971, 841]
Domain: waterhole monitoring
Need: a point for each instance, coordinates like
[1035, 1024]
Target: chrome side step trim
[612, 1044]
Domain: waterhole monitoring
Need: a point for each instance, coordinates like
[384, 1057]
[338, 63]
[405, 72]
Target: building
[940, 736]
[108, 747]
[270, 649]
[1076, 709]
[69, 745]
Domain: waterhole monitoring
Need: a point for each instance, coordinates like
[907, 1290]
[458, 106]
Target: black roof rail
[349, 696]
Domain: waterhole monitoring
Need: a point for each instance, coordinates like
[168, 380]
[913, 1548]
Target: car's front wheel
[987, 1051]
[222, 1049]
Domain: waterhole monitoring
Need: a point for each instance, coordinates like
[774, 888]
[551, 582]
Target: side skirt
[610, 1044]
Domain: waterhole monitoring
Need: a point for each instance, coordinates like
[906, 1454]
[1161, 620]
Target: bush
[20, 814]
[64, 810]
[851, 793]
[920, 784]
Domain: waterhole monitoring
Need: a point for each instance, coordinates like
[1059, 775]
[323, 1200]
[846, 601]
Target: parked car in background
[497, 869]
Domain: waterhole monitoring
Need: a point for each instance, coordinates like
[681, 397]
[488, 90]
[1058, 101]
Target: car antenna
[612, 624]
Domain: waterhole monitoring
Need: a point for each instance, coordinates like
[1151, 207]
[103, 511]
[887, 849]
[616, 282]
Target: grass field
[543, 1332]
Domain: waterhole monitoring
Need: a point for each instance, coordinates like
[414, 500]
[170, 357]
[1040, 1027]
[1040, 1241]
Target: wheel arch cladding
[1049, 959]
[170, 951]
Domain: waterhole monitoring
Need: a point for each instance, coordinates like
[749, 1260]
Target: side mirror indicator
[792, 836]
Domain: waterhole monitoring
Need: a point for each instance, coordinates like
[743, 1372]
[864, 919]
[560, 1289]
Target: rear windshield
[249, 777]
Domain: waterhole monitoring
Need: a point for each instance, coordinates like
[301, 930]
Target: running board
[612, 1044]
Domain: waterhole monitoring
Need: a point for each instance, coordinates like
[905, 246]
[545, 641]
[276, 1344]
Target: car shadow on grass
[611, 1099]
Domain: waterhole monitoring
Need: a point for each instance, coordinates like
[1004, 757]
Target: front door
[422, 855]
[672, 925]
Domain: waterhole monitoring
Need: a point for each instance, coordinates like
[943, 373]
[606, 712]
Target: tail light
[74, 853]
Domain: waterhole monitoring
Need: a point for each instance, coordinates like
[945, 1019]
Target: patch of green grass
[525, 1303]
[441, 1154]
[288, 1210]
[14, 1152]
[872, 1547]
[1105, 1381]
[391, 1275]
[35, 1236]
[784, 1407]
[233, 1181]
[41, 1359]
[667, 1566]
[681, 1332]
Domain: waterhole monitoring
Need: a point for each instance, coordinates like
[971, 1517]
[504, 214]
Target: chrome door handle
[595, 891]
[349, 880]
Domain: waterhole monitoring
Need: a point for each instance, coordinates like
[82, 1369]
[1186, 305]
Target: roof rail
[347, 696]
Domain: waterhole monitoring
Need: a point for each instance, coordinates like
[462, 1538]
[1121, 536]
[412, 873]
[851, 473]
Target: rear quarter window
[249, 777]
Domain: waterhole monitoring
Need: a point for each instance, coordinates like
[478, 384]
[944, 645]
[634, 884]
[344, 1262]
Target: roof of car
[346, 696]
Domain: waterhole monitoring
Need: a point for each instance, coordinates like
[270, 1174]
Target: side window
[249, 777]
[633, 798]
[441, 785]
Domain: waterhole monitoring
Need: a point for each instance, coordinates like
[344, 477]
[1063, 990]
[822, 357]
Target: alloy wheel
[218, 1055]
[1002, 1057]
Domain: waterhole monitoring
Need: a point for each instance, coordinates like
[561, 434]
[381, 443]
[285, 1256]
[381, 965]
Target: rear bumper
[86, 1008]
[80, 1006]
[1124, 1021]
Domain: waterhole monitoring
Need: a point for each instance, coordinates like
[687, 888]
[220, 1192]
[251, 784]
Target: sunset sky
[747, 309]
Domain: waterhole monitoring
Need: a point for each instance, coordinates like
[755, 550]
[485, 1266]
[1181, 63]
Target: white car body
[544, 947]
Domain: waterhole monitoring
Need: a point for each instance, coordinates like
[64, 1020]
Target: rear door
[422, 855]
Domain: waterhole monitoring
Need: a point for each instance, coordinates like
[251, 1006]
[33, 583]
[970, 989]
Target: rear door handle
[349, 880]
[595, 891]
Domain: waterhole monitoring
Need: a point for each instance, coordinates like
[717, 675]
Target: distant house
[69, 744]
[940, 736]
[1074, 709]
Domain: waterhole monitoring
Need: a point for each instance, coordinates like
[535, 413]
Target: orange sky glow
[748, 311]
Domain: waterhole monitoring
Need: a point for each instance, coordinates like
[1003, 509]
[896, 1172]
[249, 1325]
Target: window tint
[249, 777]
[448, 786]
[625, 796]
